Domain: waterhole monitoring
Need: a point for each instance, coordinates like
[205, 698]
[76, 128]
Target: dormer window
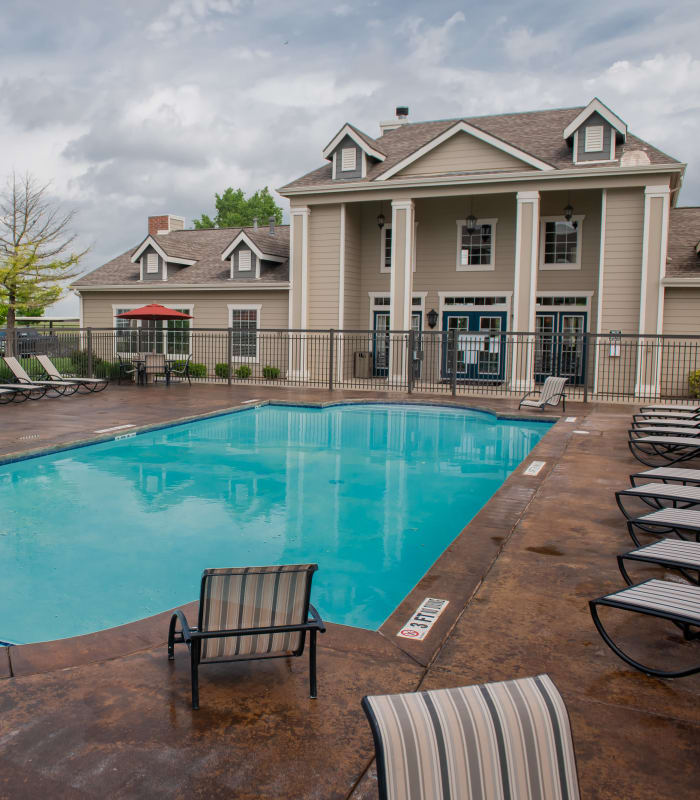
[152, 263]
[348, 159]
[593, 138]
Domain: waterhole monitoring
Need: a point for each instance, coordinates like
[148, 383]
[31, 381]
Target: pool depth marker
[535, 468]
[418, 627]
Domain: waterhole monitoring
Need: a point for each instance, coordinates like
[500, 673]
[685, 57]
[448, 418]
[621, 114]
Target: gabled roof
[171, 257]
[683, 243]
[364, 142]
[465, 127]
[535, 133]
[597, 107]
[203, 249]
[254, 241]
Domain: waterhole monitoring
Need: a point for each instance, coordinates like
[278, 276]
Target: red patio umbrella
[154, 311]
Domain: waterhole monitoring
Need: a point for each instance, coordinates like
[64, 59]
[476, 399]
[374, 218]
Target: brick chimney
[165, 223]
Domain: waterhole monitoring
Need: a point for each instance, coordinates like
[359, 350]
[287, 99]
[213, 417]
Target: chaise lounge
[655, 450]
[61, 387]
[52, 373]
[250, 613]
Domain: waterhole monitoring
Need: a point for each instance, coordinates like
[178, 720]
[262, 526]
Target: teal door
[480, 342]
[382, 340]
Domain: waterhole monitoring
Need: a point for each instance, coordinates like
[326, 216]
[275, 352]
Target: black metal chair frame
[124, 370]
[552, 401]
[682, 567]
[643, 451]
[14, 391]
[193, 636]
[180, 372]
[685, 624]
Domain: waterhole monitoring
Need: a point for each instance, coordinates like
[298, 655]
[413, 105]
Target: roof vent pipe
[272, 226]
[255, 223]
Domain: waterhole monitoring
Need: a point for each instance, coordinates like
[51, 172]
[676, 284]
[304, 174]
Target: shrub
[196, 370]
[271, 373]
[243, 372]
[222, 370]
[694, 383]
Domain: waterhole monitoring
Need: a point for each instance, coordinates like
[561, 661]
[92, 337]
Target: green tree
[234, 210]
[36, 254]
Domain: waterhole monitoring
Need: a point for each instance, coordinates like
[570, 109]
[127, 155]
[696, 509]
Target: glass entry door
[382, 341]
[479, 342]
[560, 347]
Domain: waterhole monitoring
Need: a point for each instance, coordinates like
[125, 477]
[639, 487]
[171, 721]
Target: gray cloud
[133, 109]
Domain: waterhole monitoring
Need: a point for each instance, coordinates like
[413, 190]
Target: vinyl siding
[623, 260]
[353, 255]
[681, 357]
[682, 312]
[463, 153]
[323, 269]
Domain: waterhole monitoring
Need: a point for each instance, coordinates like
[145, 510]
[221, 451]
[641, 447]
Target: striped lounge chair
[53, 388]
[654, 423]
[656, 450]
[494, 741]
[671, 553]
[678, 603]
[89, 384]
[667, 475]
[658, 495]
[680, 521]
[250, 613]
[551, 393]
[667, 415]
[693, 408]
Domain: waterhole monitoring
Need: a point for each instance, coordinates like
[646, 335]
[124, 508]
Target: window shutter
[593, 139]
[348, 160]
[152, 262]
[244, 260]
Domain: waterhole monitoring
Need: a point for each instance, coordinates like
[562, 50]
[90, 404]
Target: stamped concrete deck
[107, 715]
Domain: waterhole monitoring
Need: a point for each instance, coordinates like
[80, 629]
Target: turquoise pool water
[107, 534]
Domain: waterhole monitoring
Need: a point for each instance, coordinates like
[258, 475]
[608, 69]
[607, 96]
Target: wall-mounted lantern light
[432, 317]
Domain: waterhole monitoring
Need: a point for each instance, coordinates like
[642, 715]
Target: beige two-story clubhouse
[557, 221]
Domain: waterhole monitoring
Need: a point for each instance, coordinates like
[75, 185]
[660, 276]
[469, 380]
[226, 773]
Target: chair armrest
[186, 630]
[317, 618]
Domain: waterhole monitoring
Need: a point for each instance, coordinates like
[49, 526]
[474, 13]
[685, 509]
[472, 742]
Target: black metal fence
[602, 367]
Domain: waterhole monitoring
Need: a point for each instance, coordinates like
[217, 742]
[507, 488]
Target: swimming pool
[113, 532]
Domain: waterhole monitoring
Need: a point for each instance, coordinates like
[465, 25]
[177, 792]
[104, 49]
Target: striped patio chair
[683, 522]
[52, 388]
[551, 393]
[657, 496]
[678, 603]
[52, 373]
[494, 741]
[250, 613]
[657, 450]
[693, 408]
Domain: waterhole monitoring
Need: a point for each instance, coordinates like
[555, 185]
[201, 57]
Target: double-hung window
[245, 321]
[171, 337]
[476, 248]
[385, 249]
[560, 243]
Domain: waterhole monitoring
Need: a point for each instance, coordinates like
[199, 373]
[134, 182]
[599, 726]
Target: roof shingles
[204, 247]
[537, 133]
[683, 237]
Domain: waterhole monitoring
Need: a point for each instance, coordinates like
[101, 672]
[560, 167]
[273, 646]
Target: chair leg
[194, 668]
[171, 638]
[312, 665]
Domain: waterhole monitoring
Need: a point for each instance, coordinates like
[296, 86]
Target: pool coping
[149, 632]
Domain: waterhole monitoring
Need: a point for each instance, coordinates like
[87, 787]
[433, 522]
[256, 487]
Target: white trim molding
[347, 130]
[187, 287]
[491, 266]
[596, 106]
[149, 241]
[578, 219]
[465, 127]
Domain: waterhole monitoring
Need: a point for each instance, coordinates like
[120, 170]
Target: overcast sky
[138, 108]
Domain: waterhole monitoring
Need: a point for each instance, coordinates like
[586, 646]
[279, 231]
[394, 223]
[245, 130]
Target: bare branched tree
[37, 256]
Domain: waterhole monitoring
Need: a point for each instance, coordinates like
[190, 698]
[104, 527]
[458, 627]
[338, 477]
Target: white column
[401, 291]
[341, 296]
[527, 234]
[298, 277]
[654, 252]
